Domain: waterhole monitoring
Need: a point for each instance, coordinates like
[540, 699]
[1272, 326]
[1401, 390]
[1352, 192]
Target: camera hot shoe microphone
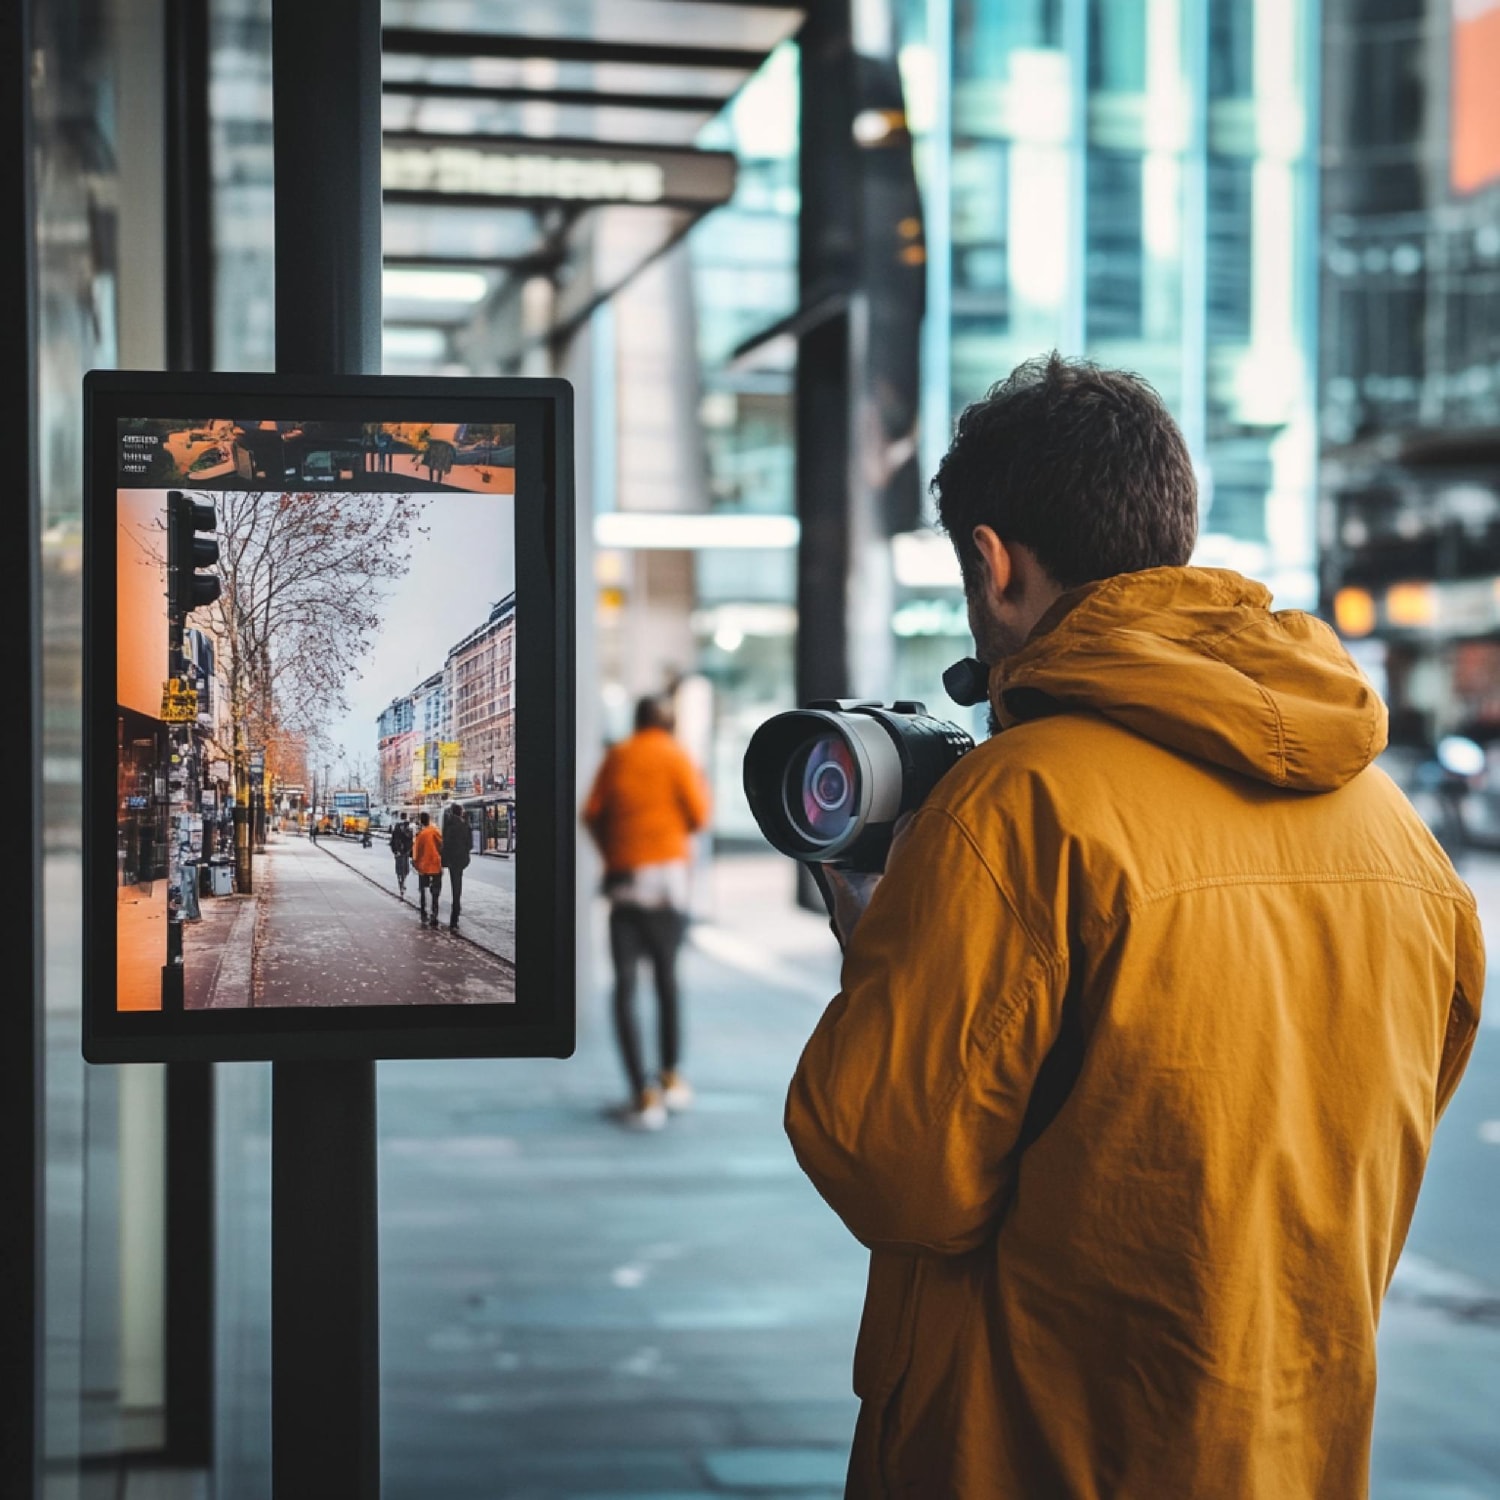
[967, 682]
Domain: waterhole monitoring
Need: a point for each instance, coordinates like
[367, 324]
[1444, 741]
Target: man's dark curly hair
[1082, 465]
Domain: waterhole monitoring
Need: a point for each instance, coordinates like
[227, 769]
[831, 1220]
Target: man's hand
[847, 893]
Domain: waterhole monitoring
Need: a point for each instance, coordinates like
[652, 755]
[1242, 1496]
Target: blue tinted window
[1114, 271]
[1227, 266]
[1231, 49]
[980, 268]
[1117, 46]
[985, 33]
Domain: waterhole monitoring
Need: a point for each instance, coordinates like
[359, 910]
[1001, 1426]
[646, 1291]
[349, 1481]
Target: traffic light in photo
[188, 551]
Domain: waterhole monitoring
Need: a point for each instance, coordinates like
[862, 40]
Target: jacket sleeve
[906, 1107]
[1463, 1011]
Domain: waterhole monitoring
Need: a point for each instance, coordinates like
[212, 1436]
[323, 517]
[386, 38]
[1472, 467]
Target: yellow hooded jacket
[1135, 1068]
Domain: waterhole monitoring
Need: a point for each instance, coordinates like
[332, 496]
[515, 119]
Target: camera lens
[820, 788]
[829, 786]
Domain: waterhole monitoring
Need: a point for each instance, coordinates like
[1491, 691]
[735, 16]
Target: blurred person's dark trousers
[637, 932]
[456, 880]
[433, 883]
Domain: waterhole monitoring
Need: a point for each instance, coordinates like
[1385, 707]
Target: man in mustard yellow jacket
[1145, 1031]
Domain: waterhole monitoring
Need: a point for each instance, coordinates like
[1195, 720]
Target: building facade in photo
[481, 702]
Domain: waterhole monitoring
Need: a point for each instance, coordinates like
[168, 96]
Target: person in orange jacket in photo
[647, 801]
[1146, 1027]
[427, 859]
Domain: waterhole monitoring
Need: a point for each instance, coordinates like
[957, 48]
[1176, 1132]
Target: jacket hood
[1195, 659]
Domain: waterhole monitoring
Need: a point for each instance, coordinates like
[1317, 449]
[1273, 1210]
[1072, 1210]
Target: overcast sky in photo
[463, 566]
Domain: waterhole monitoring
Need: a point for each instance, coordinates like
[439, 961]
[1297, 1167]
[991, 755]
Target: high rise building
[1410, 369]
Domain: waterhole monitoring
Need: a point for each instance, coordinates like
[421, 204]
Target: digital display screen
[316, 639]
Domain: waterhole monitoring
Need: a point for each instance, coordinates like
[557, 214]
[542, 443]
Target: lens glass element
[821, 788]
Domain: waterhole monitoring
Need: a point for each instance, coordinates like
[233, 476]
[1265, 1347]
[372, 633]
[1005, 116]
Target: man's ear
[996, 563]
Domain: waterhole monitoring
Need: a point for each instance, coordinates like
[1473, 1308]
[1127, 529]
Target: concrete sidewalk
[574, 1310]
[325, 936]
[488, 908]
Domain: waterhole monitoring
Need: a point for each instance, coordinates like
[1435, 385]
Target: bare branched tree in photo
[301, 599]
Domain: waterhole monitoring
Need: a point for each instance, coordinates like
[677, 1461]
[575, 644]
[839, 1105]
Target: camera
[826, 783]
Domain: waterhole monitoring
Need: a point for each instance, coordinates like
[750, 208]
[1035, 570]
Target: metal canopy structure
[537, 157]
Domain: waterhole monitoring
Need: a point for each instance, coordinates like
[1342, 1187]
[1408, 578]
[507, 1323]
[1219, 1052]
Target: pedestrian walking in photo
[647, 801]
[401, 844]
[458, 843]
[427, 856]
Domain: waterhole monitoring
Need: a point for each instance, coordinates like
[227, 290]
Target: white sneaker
[676, 1092]
[647, 1113]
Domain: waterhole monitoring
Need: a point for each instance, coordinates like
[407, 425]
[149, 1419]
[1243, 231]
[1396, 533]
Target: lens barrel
[827, 783]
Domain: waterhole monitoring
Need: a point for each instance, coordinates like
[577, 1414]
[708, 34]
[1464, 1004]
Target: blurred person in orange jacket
[1144, 1032]
[427, 857]
[647, 801]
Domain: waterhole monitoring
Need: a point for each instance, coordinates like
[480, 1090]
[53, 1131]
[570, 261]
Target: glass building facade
[1134, 181]
[1410, 391]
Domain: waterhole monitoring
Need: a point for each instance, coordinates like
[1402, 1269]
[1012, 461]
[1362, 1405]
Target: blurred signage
[1411, 604]
[1460, 608]
[567, 172]
[179, 702]
[1474, 148]
[1354, 611]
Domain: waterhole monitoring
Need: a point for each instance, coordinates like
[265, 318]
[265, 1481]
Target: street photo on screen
[315, 693]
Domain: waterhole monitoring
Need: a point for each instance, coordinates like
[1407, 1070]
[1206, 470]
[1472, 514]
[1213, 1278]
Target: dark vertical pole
[190, 1179]
[21, 1097]
[822, 662]
[326, 121]
[190, 1242]
[325, 1368]
[827, 252]
[189, 196]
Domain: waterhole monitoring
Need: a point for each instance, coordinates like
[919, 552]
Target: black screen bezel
[541, 1022]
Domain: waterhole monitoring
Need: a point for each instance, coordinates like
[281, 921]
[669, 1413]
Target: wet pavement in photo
[320, 930]
[488, 907]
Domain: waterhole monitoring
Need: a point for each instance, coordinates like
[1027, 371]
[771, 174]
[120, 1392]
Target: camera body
[826, 783]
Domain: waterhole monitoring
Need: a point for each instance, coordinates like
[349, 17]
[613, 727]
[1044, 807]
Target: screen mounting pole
[325, 1370]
